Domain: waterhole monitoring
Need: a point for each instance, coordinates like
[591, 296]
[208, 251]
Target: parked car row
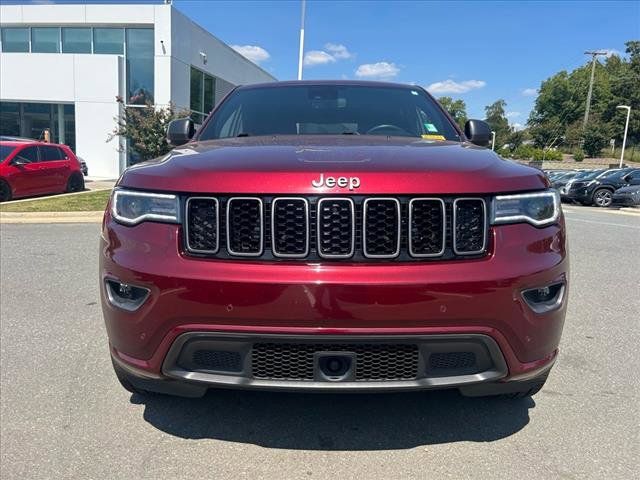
[602, 188]
[30, 168]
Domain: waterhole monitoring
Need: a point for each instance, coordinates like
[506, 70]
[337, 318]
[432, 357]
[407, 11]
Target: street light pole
[493, 140]
[626, 128]
[594, 55]
[301, 53]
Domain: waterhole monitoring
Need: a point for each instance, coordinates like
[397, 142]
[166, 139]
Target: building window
[202, 95]
[15, 39]
[139, 59]
[108, 40]
[76, 40]
[45, 40]
[29, 120]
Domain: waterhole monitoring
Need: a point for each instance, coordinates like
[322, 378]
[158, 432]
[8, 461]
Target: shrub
[578, 155]
[145, 128]
[594, 140]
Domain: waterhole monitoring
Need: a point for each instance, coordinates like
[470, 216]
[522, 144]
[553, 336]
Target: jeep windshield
[329, 110]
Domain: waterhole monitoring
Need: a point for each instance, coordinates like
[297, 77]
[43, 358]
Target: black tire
[602, 197]
[126, 383]
[529, 388]
[5, 191]
[517, 389]
[75, 183]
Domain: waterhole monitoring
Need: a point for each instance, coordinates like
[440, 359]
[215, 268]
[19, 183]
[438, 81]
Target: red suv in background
[36, 168]
[333, 236]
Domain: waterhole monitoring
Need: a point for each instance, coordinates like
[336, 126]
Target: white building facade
[62, 67]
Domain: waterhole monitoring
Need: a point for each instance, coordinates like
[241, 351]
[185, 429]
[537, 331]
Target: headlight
[538, 209]
[131, 207]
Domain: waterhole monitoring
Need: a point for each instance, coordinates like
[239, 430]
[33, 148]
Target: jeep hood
[288, 164]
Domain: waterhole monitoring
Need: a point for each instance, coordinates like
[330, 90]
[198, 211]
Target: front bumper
[625, 200]
[417, 303]
[581, 195]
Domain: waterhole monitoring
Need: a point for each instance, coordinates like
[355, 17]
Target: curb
[51, 217]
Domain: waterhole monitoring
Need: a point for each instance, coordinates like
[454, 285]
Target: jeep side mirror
[180, 131]
[478, 132]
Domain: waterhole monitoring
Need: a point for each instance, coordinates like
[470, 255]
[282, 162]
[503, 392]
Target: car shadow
[299, 421]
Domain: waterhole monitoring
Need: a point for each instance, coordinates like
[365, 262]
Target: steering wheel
[383, 127]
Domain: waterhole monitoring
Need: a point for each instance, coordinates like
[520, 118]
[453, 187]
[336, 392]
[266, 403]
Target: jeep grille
[354, 228]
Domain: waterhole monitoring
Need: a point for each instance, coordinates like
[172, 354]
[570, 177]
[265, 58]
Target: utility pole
[301, 53]
[594, 54]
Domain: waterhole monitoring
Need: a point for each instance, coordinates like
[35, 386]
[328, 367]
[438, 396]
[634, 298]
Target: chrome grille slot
[245, 229]
[427, 227]
[469, 226]
[353, 228]
[381, 227]
[202, 225]
[290, 227]
[336, 227]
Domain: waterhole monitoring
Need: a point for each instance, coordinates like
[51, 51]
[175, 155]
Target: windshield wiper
[347, 132]
[242, 134]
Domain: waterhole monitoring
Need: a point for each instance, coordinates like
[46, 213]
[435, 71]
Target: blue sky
[477, 51]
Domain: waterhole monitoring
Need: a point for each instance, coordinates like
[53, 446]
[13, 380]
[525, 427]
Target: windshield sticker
[430, 127]
[433, 137]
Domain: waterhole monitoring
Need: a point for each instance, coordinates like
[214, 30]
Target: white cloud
[529, 92]
[512, 114]
[517, 126]
[333, 53]
[382, 70]
[253, 52]
[338, 51]
[317, 57]
[451, 86]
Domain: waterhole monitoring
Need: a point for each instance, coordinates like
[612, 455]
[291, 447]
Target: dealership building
[63, 66]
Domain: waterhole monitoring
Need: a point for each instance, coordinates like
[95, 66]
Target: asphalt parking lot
[63, 414]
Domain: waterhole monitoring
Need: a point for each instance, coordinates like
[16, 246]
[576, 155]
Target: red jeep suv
[333, 236]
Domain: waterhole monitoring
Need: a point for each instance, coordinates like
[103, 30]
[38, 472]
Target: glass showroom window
[29, 120]
[108, 40]
[15, 39]
[76, 40]
[139, 57]
[202, 95]
[45, 40]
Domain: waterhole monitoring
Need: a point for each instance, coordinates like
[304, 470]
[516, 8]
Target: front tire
[602, 197]
[512, 390]
[126, 383]
[5, 191]
[529, 388]
[75, 183]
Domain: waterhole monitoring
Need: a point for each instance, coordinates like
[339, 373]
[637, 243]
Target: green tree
[495, 116]
[557, 116]
[456, 108]
[145, 129]
[596, 137]
[516, 138]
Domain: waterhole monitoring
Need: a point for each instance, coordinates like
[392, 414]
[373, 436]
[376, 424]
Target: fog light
[544, 299]
[125, 296]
